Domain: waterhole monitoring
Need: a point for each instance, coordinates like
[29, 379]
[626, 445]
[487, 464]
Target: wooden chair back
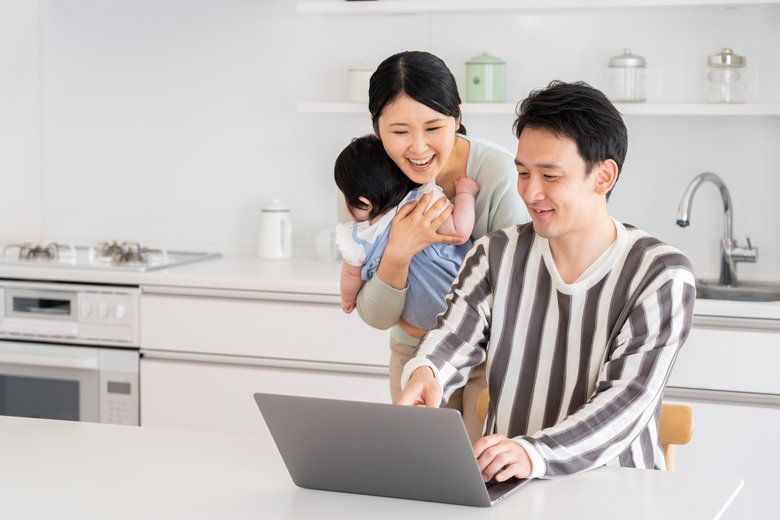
[675, 426]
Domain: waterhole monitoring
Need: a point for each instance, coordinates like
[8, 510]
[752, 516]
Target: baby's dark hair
[363, 169]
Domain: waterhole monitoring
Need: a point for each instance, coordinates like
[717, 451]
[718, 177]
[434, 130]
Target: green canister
[485, 77]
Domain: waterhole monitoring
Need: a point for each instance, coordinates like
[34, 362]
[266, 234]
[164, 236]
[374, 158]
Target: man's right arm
[457, 343]
[422, 389]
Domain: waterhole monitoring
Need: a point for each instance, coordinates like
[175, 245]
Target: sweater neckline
[595, 271]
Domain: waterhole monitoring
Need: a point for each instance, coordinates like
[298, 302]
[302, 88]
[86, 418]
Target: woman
[415, 110]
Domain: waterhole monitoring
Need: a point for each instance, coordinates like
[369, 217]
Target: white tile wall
[21, 205]
[173, 121]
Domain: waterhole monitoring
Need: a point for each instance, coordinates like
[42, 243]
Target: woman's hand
[414, 228]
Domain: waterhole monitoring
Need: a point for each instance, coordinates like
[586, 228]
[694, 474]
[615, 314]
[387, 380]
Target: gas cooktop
[119, 256]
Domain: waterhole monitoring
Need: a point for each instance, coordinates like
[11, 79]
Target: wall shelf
[642, 109]
[431, 6]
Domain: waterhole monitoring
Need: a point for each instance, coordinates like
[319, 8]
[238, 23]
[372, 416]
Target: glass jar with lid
[725, 78]
[627, 78]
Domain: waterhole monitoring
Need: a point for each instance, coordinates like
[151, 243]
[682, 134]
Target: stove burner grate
[50, 251]
[124, 253]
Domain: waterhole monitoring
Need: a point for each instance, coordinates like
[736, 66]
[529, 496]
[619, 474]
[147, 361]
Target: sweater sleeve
[458, 342]
[630, 382]
[380, 305]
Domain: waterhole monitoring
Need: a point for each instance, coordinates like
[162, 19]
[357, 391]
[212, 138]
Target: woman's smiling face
[417, 138]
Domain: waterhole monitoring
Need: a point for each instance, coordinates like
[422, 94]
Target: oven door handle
[39, 327]
[81, 363]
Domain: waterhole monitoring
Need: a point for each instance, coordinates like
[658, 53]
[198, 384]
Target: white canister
[358, 78]
[274, 237]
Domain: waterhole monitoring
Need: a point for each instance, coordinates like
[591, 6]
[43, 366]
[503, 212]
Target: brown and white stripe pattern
[576, 370]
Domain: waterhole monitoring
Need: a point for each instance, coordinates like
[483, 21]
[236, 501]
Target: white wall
[173, 121]
[21, 216]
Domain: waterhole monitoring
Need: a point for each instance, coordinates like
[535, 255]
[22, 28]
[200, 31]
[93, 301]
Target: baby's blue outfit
[431, 271]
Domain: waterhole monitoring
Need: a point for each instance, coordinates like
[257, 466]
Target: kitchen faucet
[730, 252]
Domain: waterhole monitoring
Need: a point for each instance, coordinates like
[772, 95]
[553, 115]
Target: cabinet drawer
[218, 397]
[733, 360]
[244, 327]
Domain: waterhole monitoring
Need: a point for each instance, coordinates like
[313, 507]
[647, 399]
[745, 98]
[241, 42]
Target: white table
[58, 469]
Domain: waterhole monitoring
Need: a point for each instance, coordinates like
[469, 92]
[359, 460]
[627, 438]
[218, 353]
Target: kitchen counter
[295, 276]
[59, 469]
[233, 272]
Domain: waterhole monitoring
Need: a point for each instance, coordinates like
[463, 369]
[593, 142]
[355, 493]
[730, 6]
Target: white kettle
[274, 239]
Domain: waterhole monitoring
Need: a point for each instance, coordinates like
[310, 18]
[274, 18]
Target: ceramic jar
[358, 78]
[485, 79]
[274, 238]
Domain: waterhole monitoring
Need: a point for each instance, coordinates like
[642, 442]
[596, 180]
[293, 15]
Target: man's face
[552, 181]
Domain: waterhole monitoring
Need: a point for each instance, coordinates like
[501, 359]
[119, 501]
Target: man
[578, 317]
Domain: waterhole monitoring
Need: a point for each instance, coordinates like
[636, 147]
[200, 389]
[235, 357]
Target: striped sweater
[576, 371]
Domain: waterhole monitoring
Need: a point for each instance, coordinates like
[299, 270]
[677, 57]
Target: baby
[375, 189]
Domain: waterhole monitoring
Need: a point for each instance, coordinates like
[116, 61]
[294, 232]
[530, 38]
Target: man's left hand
[501, 458]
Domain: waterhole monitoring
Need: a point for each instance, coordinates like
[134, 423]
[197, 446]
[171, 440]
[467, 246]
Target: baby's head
[370, 181]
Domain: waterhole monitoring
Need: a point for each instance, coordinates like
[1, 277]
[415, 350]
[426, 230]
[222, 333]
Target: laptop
[394, 451]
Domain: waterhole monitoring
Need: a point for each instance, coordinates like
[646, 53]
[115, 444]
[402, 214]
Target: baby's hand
[347, 307]
[466, 185]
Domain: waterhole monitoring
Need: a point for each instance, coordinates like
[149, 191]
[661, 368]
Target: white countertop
[295, 276]
[233, 272]
[60, 469]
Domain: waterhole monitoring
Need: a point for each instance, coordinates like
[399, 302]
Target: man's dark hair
[363, 169]
[581, 113]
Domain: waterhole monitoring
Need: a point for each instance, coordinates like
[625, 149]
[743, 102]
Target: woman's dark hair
[363, 169]
[421, 76]
[581, 113]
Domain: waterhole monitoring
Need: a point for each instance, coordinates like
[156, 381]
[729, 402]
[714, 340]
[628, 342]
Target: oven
[69, 351]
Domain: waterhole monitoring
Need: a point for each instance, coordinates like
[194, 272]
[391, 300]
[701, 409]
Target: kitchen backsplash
[175, 122]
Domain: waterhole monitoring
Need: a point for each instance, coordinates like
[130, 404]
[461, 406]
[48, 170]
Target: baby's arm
[350, 286]
[461, 222]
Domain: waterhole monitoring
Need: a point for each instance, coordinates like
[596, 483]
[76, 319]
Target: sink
[743, 292]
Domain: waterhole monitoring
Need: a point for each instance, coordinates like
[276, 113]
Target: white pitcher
[274, 239]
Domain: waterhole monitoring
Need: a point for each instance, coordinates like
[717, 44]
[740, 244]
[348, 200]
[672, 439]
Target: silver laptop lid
[375, 449]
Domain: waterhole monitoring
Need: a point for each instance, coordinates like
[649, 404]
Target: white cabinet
[218, 397]
[257, 327]
[729, 359]
[737, 440]
[204, 355]
[729, 378]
